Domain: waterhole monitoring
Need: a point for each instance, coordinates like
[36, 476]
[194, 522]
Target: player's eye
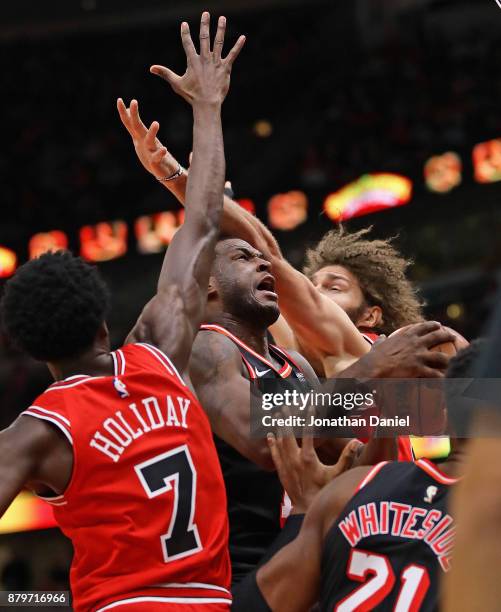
[334, 288]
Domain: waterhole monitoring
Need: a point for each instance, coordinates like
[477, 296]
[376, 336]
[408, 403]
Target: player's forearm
[235, 220]
[317, 321]
[205, 183]
[203, 203]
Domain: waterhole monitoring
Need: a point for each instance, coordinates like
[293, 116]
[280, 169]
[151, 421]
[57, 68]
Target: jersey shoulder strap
[144, 356]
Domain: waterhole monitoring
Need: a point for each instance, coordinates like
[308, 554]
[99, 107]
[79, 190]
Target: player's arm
[224, 392]
[316, 320]
[25, 448]
[172, 318]
[290, 580]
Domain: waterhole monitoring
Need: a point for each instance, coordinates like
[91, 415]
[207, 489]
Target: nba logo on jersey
[120, 388]
[300, 376]
[430, 494]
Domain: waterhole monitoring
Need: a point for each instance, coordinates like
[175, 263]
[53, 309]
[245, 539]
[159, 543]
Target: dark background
[348, 88]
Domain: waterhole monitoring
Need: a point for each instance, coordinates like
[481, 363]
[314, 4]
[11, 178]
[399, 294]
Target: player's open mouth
[267, 286]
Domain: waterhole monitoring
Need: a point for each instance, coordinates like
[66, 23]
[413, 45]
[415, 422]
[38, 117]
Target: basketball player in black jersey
[233, 350]
[375, 537]
[230, 352]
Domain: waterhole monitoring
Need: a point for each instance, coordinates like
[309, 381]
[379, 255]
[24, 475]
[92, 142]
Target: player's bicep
[165, 323]
[289, 582]
[216, 373]
[21, 449]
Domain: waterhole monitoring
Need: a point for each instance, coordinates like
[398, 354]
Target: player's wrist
[170, 176]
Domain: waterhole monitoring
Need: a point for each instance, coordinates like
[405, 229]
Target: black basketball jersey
[391, 543]
[254, 495]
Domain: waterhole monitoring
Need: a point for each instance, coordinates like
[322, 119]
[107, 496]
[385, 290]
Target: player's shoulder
[143, 357]
[331, 501]
[212, 347]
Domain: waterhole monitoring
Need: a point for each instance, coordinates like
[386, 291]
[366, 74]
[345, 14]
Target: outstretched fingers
[189, 47]
[233, 54]
[219, 40]
[152, 134]
[205, 35]
[345, 461]
[165, 74]
[124, 115]
[137, 125]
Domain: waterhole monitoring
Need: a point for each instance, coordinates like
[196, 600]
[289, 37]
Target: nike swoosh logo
[262, 372]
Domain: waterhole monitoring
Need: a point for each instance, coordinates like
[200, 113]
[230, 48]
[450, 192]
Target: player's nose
[263, 265]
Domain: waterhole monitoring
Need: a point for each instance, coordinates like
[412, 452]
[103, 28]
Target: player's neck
[95, 362]
[254, 337]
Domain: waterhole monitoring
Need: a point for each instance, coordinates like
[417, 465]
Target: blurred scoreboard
[26, 513]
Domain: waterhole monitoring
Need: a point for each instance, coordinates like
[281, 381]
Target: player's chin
[266, 307]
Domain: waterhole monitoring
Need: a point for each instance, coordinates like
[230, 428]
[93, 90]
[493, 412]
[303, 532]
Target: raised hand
[207, 76]
[150, 151]
[301, 472]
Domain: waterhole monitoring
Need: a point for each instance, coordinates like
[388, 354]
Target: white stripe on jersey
[48, 418]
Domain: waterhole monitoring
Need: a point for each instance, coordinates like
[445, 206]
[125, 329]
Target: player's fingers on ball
[436, 359]
[439, 336]
[421, 329]
[427, 372]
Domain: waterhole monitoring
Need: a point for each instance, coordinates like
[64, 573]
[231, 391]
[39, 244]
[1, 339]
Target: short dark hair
[380, 270]
[53, 306]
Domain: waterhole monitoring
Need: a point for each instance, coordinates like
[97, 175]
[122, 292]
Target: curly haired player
[387, 299]
[119, 445]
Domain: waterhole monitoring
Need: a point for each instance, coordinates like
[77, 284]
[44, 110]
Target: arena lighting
[487, 161]
[47, 241]
[247, 205]
[263, 128]
[287, 210]
[369, 193]
[443, 172]
[431, 448]
[455, 311]
[104, 241]
[8, 262]
[26, 513]
[155, 232]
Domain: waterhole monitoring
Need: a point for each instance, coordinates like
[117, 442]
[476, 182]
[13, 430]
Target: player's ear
[103, 333]
[212, 288]
[371, 317]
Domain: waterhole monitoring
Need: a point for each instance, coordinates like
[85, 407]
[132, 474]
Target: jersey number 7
[169, 471]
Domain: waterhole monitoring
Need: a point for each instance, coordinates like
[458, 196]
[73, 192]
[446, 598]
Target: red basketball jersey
[146, 504]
